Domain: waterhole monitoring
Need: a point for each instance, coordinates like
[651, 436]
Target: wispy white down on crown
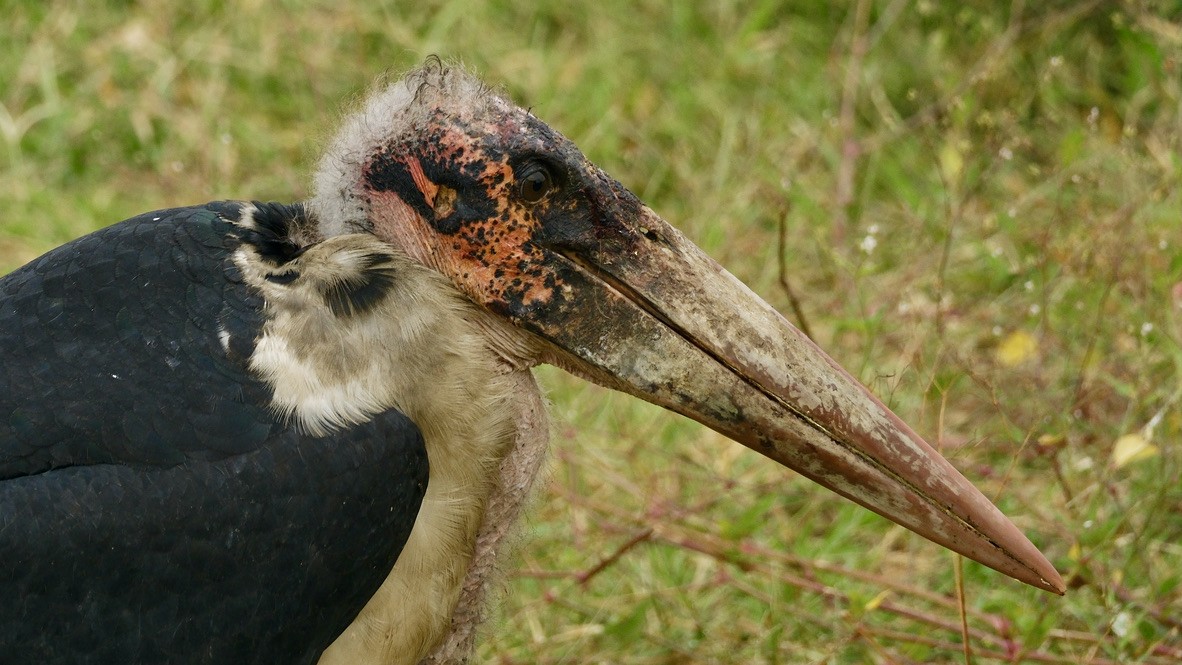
[392, 110]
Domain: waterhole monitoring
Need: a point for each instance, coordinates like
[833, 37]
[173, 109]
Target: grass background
[980, 209]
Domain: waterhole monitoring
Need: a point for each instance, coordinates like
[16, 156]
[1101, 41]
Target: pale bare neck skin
[486, 433]
[407, 619]
[516, 476]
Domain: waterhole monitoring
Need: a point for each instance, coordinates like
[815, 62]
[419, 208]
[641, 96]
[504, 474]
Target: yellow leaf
[951, 161]
[1017, 347]
[874, 602]
[1132, 448]
[1076, 552]
[1051, 442]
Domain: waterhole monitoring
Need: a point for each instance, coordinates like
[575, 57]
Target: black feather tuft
[275, 229]
[361, 292]
[283, 277]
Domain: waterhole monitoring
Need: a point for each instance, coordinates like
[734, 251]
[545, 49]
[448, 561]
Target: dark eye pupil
[535, 185]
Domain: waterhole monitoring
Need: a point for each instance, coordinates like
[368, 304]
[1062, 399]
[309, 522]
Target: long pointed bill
[657, 318]
[525, 226]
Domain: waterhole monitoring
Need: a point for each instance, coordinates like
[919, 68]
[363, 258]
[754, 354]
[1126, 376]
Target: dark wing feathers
[152, 507]
[263, 557]
[112, 351]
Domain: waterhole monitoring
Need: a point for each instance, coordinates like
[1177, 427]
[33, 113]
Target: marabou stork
[263, 433]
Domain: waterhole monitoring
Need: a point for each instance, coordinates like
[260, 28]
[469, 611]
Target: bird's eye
[535, 183]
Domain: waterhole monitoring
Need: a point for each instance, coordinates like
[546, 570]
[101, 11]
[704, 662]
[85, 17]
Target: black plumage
[149, 497]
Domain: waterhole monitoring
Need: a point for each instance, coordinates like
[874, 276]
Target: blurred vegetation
[980, 205]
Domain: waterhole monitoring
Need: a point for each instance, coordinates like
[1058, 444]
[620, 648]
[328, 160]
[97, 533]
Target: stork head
[590, 279]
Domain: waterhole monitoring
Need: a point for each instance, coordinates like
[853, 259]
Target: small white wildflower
[1005, 153]
[1056, 60]
[1029, 285]
[1035, 309]
[1122, 623]
[1146, 328]
[868, 244]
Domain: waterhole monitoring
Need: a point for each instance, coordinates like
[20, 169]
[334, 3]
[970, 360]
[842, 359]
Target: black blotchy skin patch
[506, 253]
[387, 172]
[444, 164]
[593, 220]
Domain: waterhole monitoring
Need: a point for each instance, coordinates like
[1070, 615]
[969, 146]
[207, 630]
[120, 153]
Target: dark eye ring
[535, 183]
